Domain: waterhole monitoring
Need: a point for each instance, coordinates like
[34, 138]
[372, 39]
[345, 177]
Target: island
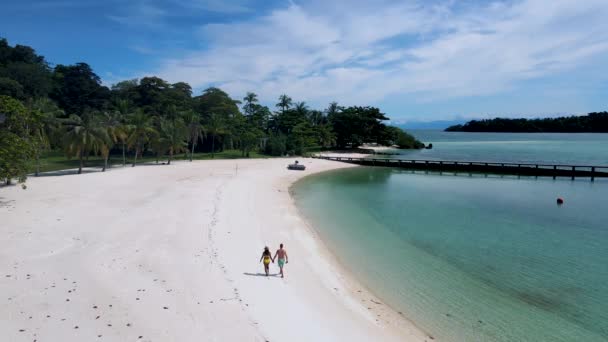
[596, 122]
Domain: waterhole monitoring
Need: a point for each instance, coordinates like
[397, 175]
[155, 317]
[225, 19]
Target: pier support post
[573, 172]
[554, 171]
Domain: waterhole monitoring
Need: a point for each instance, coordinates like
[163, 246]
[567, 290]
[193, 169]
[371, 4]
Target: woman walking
[267, 258]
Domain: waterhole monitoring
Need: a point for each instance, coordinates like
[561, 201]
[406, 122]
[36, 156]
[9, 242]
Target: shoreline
[391, 317]
[170, 253]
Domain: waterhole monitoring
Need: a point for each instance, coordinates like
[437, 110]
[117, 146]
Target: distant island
[590, 123]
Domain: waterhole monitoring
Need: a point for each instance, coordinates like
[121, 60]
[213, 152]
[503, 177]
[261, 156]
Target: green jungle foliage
[45, 109]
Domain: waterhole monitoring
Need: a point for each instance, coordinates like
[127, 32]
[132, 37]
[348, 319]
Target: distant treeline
[66, 107]
[590, 123]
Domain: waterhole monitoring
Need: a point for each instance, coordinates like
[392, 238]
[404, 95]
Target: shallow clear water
[550, 148]
[472, 258]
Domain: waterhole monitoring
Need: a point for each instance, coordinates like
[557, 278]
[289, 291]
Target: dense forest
[591, 123]
[66, 107]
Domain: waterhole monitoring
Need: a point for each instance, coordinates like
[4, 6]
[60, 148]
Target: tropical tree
[16, 149]
[250, 100]
[111, 122]
[45, 127]
[173, 133]
[141, 131]
[194, 129]
[83, 134]
[284, 103]
[215, 128]
[123, 111]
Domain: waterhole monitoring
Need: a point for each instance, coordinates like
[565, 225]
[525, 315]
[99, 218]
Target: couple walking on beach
[267, 257]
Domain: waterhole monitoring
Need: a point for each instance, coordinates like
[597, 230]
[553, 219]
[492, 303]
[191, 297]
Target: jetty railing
[517, 169]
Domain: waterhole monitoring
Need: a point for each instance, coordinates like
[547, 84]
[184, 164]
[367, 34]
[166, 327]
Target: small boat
[296, 166]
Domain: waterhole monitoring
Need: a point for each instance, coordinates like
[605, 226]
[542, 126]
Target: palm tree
[215, 127]
[284, 102]
[195, 130]
[83, 134]
[123, 108]
[140, 132]
[250, 100]
[173, 134]
[45, 127]
[111, 122]
[301, 108]
[333, 109]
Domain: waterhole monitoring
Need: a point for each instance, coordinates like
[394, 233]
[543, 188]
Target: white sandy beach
[171, 253]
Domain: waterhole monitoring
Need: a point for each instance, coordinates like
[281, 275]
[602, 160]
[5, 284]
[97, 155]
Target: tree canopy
[68, 108]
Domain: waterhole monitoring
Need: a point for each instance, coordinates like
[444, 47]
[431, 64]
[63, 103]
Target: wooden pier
[516, 169]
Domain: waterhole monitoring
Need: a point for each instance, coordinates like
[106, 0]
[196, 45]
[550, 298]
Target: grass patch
[56, 160]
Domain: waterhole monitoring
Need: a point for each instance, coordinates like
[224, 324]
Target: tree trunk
[8, 181]
[135, 158]
[124, 157]
[81, 162]
[37, 164]
[192, 151]
[170, 156]
[213, 147]
[105, 163]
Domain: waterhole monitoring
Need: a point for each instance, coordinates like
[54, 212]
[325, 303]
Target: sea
[476, 257]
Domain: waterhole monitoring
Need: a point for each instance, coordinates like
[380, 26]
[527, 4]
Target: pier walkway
[523, 169]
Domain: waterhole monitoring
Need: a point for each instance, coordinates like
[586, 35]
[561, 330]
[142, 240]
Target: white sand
[170, 253]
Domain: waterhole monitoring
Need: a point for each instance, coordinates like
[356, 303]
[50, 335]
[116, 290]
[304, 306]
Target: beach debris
[165, 307]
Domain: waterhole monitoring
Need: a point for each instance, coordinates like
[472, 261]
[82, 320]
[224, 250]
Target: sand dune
[170, 253]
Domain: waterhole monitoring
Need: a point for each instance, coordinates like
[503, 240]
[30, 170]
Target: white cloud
[141, 14]
[358, 53]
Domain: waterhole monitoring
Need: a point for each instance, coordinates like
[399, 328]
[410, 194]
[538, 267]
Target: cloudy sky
[416, 60]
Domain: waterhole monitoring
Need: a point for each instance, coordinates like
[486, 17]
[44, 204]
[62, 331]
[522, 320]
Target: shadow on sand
[261, 274]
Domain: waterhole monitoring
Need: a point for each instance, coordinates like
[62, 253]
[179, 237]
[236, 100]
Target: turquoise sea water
[550, 148]
[472, 258]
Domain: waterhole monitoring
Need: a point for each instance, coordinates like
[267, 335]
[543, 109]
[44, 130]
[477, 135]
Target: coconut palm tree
[250, 100]
[83, 134]
[141, 131]
[111, 122]
[284, 103]
[173, 134]
[123, 108]
[44, 128]
[215, 127]
[195, 130]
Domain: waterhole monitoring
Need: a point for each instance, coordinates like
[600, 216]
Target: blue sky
[416, 60]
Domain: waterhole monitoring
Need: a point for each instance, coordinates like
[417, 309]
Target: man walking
[282, 257]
